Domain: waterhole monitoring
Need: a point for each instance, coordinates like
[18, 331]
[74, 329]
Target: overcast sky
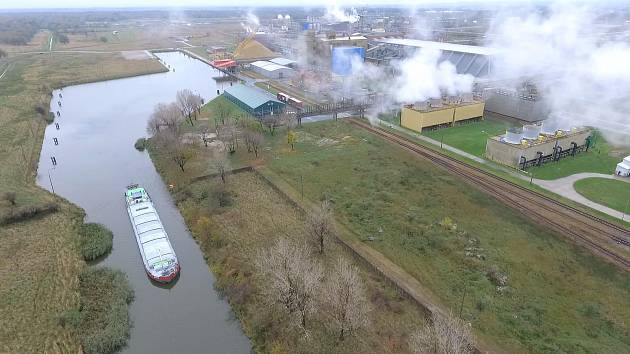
[35, 4]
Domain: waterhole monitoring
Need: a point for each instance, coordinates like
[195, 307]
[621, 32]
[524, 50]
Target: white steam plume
[335, 13]
[252, 22]
[583, 77]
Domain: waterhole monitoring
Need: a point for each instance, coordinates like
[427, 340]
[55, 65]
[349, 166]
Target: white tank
[513, 136]
[531, 131]
[549, 127]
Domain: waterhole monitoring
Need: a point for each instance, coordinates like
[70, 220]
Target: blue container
[342, 58]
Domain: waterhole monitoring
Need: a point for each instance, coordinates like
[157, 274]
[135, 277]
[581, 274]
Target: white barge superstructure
[155, 248]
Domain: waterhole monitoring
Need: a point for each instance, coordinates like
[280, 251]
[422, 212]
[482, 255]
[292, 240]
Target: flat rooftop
[459, 48]
[444, 106]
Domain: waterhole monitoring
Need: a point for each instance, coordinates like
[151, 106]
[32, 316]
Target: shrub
[105, 295]
[9, 197]
[96, 240]
[103, 39]
[50, 118]
[140, 144]
[27, 212]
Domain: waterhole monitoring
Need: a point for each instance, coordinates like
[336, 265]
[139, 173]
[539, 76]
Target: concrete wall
[510, 154]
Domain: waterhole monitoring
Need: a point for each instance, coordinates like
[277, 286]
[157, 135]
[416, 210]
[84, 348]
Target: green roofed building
[254, 100]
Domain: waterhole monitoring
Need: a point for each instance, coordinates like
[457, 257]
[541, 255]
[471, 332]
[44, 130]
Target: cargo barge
[156, 250]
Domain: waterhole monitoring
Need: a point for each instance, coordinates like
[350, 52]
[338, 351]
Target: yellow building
[416, 118]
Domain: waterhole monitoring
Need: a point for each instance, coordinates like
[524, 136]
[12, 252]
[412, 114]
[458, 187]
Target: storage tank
[343, 57]
[531, 131]
[513, 136]
[549, 127]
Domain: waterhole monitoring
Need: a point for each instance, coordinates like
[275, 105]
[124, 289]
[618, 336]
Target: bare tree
[256, 141]
[221, 111]
[220, 163]
[293, 279]
[271, 122]
[321, 224]
[228, 134]
[194, 103]
[183, 101]
[164, 116]
[345, 298]
[205, 135]
[446, 334]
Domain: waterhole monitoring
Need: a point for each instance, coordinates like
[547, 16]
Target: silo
[531, 131]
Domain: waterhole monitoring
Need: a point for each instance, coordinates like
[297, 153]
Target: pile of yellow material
[250, 49]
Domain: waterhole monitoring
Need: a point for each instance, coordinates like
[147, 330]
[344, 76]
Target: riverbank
[39, 257]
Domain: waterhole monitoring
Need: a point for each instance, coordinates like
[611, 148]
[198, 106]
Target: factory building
[253, 100]
[271, 70]
[535, 145]
[436, 113]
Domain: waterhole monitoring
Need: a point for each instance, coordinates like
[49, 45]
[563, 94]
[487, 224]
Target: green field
[470, 137]
[602, 158]
[611, 193]
[403, 207]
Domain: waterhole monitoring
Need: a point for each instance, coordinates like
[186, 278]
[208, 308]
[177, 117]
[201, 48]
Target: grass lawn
[470, 137]
[559, 298]
[611, 193]
[39, 258]
[602, 158]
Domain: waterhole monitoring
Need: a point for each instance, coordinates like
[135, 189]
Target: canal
[96, 160]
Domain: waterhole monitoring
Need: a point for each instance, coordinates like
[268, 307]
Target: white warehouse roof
[460, 48]
[269, 66]
[282, 61]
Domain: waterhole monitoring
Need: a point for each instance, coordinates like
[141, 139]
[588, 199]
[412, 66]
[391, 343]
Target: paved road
[565, 187]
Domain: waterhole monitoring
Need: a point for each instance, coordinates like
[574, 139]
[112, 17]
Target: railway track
[603, 238]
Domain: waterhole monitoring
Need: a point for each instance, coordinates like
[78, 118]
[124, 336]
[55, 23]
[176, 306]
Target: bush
[105, 295]
[103, 39]
[50, 118]
[27, 212]
[96, 240]
[9, 197]
[140, 144]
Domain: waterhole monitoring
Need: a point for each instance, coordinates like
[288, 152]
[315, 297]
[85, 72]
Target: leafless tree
[164, 116]
[271, 122]
[256, 141]
[205, 135]
[293, 279]
[228, 134]
[345, 299]
[184, 103]
[321, 224]
[221, 111]
[445, 334]
[194, 102]
[220, 163]
[181, 154]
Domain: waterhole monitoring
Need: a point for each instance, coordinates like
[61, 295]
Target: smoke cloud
[252, 22]
[334, 13]
[584, 78]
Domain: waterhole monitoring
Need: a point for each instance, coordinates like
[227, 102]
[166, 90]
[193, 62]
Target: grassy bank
[39, 257]
[611, 193]
[407, 209]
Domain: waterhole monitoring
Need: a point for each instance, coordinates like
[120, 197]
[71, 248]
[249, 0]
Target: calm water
[98, 126]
